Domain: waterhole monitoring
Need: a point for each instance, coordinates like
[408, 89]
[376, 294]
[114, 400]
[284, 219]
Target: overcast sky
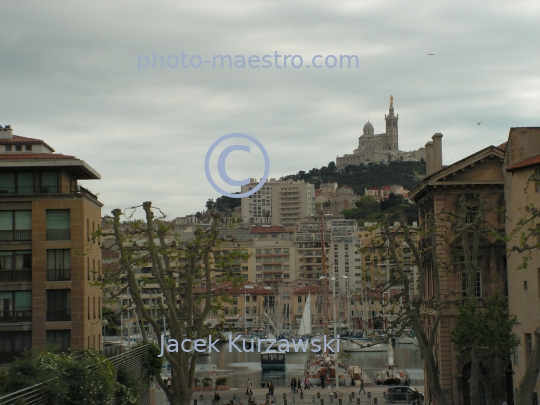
[69, 75]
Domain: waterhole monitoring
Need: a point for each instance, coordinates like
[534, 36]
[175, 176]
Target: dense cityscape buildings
[298, 244]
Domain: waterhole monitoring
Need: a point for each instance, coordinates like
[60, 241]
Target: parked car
[402, 394]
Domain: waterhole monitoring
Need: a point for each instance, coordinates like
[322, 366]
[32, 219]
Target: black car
[402, 394]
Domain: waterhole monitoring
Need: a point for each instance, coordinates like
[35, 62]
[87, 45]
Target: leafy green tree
[82, 378]
[489, 328]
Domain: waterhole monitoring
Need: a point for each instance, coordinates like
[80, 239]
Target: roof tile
[529, 162]
[34, 156]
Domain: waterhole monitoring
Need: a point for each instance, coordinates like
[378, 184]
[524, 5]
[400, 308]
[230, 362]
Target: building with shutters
[48, 257]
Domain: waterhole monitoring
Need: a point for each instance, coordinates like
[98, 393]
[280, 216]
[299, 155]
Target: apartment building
[522, 189]
[48, 258]
[308, 243]
[278, 202]
[275, 254]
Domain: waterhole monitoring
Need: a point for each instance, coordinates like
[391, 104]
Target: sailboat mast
[325, 280]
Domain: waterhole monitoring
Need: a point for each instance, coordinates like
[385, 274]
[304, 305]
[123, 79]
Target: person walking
[293, 383]
[249, 391]
[362, 385]
[299, 386]
[307, 384]
[322, 380]
[271, 388]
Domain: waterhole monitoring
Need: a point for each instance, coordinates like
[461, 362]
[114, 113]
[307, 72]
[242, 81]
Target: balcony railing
[55, 315]
[15, 275]
[15, 316]
[7, 191]
[58, 234]
[58, 274]
[16, 235]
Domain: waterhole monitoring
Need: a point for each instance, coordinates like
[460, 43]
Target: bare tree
[185, 275]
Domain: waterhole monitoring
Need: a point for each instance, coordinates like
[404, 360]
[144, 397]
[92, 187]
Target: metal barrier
[131, 360]
[324, 398]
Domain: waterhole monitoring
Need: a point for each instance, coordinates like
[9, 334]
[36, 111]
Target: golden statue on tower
[391, 101]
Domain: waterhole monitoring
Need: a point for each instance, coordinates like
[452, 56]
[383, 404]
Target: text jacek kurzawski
[250, 346]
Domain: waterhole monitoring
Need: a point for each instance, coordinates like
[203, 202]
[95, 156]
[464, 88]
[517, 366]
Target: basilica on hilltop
[380, 148]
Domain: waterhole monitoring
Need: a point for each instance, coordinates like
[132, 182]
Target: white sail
[305, 323]
[390, 355]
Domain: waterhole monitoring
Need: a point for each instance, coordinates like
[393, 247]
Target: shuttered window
[58, 225]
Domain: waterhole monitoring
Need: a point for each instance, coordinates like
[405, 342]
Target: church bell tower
[391, 127]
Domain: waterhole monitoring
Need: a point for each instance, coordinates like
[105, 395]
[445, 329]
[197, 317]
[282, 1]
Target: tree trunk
[474, 381]
[529, 380]
[432, 373]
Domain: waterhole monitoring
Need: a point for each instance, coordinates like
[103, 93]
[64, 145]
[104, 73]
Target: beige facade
[48, 258]
[278, 202]
[477, 174]
[522, 189]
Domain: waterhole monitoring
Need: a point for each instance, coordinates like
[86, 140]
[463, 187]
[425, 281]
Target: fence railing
[16, 235]
[58, 234]
[16, 275]
[58, 274]
[56, 315]
[131, 360]
[7, 191]
[15, 316]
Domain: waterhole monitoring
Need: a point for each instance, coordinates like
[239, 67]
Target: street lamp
[245, 311]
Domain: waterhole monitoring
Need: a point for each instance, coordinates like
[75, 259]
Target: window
[16, 265]
[472, 213]
[15, 306]
[539, 282]
[20, 183]
[58, 225]
[525, 285]
[299, 298]
[247, 310]
[12, 344]
[537, 178]
[15, 225]
[299, 309]
[59, 339]
[477, 284]
[528, 346]
[49, 182]
[58, 305]
[27, 147]
[8, 148]
[94, 306]
[58, 265]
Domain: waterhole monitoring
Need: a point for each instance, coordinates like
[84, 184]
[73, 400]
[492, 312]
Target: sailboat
[391, 374]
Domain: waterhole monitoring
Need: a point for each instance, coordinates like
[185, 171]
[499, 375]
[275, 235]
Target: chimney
[6, 132]
[429, 158]
[437, 152]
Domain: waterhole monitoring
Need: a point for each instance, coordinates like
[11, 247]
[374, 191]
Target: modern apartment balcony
[7, 192]
[58, 315]
[15, 316]
[6, 236]
[15, 275]
[58, 234]
[58, 274]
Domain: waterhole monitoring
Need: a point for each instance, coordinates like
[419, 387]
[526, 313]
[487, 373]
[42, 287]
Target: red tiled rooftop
[269, 229]
[34, 156]
[529, 162]
[23, 139]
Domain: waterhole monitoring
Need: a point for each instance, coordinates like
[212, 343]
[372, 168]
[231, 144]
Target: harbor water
[238, 367]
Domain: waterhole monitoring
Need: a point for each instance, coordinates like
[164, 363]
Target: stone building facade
[479, 174]
[522, 189]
